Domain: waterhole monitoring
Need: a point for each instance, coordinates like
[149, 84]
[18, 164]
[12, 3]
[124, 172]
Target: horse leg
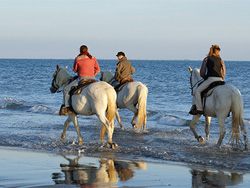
[133, 109]
[66, 124]
[133, 120]
[208, 120]
[107, 126]
[73, 118]
[119, 119]
[193, 122]
[243, 128]
[221, 122]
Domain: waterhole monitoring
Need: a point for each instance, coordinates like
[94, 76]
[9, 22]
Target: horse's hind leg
[119, 119]
[208, 120]
[109, 126]
[243, 128]
[133, 109]
[221, 122]
[73, 118]
[66, 124]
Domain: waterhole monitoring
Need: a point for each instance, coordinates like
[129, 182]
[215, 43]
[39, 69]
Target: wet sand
[26, 168]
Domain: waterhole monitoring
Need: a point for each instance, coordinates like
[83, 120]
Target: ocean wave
[43, 110]
[10, 103]
[172, 120]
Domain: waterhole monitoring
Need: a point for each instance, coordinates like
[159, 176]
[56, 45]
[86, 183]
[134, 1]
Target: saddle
[123, 82]
[207, 92]
[83, 84]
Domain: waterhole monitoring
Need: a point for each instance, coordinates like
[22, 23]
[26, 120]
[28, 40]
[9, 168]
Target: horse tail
[237, 116]
[111, 106]
[142, 102]
[111, 109]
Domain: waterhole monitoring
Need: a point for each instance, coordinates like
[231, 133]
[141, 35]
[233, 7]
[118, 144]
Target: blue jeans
[67, 89]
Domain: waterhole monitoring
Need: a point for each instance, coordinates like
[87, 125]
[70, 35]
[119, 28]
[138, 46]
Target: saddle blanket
[83, 84]
[207, 92]
[124, 81]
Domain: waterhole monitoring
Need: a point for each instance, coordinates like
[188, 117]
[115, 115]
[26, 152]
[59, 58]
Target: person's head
[120, 55]
[83, 49]
[214, 50]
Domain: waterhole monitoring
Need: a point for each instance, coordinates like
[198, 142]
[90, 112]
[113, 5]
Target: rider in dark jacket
[124, 69]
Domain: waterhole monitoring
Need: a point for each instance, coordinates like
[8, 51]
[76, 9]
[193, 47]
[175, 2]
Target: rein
[193, 86]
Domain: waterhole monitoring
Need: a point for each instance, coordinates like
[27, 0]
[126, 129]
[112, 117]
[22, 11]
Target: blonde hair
[212, 50]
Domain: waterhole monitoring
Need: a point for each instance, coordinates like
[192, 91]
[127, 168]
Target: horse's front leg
[119, 119]
[66, 124]
[207, 129]
[193, 122]
[73, 118]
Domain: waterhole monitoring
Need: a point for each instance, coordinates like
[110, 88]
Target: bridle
[193, 86]
[53, 84]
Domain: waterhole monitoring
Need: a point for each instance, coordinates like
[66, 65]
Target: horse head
[106, 76]
[60, 77]
[195, 78]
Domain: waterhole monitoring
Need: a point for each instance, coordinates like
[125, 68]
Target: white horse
[97, 98]
[131, 94]
[223, 100]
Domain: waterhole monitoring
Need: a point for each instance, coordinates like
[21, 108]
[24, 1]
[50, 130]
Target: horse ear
[57, 67]
[190, 69]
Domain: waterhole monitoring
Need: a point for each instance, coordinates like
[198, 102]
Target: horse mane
[107, 76]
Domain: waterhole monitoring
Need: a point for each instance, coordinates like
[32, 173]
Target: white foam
[171, 120]
[9, 103]
[43, 109]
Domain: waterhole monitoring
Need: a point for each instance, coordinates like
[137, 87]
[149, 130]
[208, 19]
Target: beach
[29, 168]
[33, 154]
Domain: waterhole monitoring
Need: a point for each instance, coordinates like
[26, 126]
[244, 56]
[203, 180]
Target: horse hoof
[112, 145]
[80, 142]
[201, 139]
[247, 148]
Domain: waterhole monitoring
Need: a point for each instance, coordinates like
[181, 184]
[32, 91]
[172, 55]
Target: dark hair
[83, 49]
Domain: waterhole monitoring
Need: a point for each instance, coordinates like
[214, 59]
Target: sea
[29, 114]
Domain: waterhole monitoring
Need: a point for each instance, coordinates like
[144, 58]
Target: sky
[143, 29]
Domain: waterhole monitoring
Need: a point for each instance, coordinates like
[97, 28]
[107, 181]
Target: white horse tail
[237, 116]
[111, 108]
[142, 102]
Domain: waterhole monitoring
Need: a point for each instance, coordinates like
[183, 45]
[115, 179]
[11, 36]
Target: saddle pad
[123, 83]
[83, 84]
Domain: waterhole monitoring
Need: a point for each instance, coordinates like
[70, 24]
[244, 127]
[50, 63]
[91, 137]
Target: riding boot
[64, 111]
[194, 111]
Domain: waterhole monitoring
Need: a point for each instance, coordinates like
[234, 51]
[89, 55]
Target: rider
[212, 69]
[86, 67]
[124, 69]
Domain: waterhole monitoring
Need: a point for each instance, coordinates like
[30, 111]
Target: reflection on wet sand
[109, 171]
[218, 179]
